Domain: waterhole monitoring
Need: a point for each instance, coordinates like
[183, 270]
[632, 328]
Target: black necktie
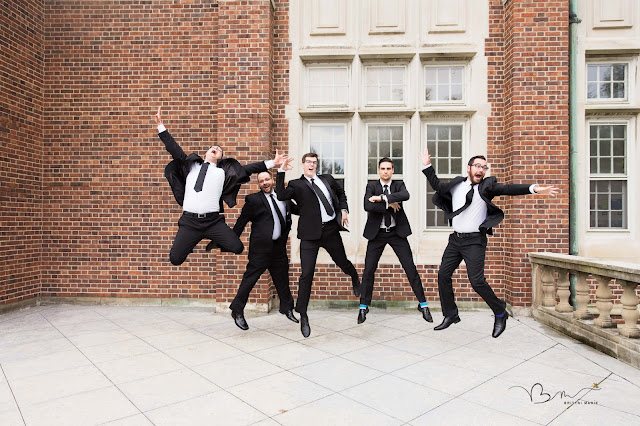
[467, 202]
[325, 202]
[387, 214]
[201, 175]
[278, 212]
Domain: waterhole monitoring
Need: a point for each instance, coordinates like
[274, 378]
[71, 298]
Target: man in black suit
[200, 186]
[270, 225]
[388, 224]
[467, 204]
[323, 210]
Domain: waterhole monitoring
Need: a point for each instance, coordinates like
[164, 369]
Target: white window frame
[307, 85]
[465, 83]
[630, 140]
[630, 80]
[405, 88]
[466, 141]
[406, 138]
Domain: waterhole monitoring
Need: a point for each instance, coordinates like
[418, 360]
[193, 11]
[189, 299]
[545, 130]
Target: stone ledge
[606, 340]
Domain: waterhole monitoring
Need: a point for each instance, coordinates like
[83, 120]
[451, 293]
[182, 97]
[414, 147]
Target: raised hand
[551, 191]
[425, 157]
[157, 117]
[279, 159]
[286, 165]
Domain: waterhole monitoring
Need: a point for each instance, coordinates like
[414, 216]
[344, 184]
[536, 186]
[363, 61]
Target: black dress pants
[472, 249]
[331, 241]
[192, 230]
[277, 263]
[401, 247]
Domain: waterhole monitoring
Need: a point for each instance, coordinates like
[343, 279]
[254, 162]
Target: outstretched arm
[428, 170]
[169, 143]
[283, 193]
[551, 191]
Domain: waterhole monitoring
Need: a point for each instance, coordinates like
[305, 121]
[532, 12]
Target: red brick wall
[21, 148]
[110, 214]
[534, 147]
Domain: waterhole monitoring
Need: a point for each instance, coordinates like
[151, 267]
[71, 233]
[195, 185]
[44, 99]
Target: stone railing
[552, 295]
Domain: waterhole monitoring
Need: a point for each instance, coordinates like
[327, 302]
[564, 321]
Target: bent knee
[175, 260]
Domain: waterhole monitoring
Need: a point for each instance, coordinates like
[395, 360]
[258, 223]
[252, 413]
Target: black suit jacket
[487, 188]
[257, 210]
[299, 190]
[177, 170]
[375, 211]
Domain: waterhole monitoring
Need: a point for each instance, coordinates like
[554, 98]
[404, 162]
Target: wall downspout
[573, 142]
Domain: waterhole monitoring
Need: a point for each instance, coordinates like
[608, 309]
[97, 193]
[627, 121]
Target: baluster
[548, 286]
[563, 292]
[582, 296]
[603, 302]
[629, 310]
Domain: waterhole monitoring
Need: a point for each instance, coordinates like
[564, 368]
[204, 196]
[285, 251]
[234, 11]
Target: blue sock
[423, 304]
[501, 315]
[363, 306]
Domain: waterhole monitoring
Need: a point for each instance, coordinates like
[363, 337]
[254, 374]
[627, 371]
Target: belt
[389, 229]
[201, 215]
[466, 234]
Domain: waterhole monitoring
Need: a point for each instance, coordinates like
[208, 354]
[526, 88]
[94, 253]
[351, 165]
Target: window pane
[443, 166]
[619, 131]
[385, 141]
[618, 165]
[328, 142]
[618, 72]
[603, 219]
[592, 73]
[593, 147]
[605, 132]
[456, 92]
[444, 83]
[618, 147]
[605, 73]
[384, 85]
[328, 86]
[605, 90]
[618, 90]
[605, 165]
[593, 165]
[605, 148]
[592, 219]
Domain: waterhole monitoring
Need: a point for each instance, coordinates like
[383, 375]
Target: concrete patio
[86, 365]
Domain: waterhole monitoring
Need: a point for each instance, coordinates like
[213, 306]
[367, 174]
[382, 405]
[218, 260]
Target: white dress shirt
[320, 184]
[393, 221]
[277, 229]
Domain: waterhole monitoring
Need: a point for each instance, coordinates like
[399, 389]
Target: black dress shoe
[355, 282]
[304, 325]
[289, 314]
[500, 324]
[425, 313]
[362, 315]
[446, 322]
[238, 317]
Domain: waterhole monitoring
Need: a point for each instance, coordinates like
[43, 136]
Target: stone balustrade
[551, 300]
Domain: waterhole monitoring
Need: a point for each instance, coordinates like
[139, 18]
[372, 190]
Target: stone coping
[627, 271]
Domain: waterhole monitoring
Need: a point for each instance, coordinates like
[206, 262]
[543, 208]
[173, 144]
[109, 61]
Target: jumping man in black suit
[388, 224]
[270, 225]
[323, 210]
[200, 186]
[466, 202]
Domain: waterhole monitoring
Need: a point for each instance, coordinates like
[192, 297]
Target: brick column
[21, 148]
[244, 115]
[534, 146]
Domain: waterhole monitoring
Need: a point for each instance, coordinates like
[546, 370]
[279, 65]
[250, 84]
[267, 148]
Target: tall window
[607, 81]
[385, 140]
[385, 85]
[328, 86]
[444, 142]
[443, 84]
[607, 175]
[328, 141]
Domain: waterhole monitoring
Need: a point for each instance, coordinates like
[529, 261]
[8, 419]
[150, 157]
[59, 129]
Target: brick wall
[110, 215]
[21, 148]
[534, 147]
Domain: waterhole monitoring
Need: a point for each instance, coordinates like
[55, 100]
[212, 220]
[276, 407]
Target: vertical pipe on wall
[573, 142]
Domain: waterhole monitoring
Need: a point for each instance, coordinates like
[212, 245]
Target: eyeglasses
[480, 166]
[310, 162]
